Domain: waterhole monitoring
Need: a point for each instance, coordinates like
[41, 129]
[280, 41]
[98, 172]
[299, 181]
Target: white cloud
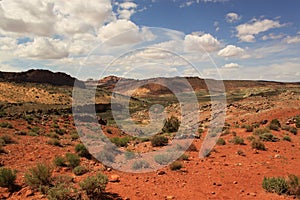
[272, 36]
[128, 5]
[205, 42]
[123, 32]
[126, 10]
[246, 32]
[43, 48]
[292, 39]
[231, 66]
[231, 51]
[7, 43]
[232, 17]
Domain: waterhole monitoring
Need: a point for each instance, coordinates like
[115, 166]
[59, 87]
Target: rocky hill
[41, 76]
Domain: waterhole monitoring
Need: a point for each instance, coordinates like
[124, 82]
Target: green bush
[261, 131]
[79, 170]
[287, 138]
[7, 178]
[269, 137]
[249, 128]
[171, 125]
[140, 164]
[60, 192]
[275, 125]
[54, 142]
[73, 160]
[82, 151]
[163, 159]
[159, 140]
[60, 131]
[257, 144]
[176, 165]
[237, 140]
[94, 186]
[59, 161]
[6, 139]
[129, 155]
[184, 157]
[39, 176]
[221, 142]
[293, 185]
[53, 135]
[297, 121]
[275, 184]
[74, 136]
[120, 142]
[5, 125]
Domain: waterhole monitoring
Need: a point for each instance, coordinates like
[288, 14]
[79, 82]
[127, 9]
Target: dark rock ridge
[41, 76]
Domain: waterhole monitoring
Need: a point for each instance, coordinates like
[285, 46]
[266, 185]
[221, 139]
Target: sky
[220, 39]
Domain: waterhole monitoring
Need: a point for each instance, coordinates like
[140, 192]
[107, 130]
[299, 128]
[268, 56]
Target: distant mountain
[41, 76]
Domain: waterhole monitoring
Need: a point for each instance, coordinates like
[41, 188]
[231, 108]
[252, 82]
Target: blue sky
[222, 39]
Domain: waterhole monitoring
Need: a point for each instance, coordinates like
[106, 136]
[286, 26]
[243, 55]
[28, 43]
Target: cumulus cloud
[126, 10]
[272, 36]
[232, 17]
[43, 48]
[231, 51]
[231, 66]
[7, 43]
[246, 32]
[293, 39]
[205, 42]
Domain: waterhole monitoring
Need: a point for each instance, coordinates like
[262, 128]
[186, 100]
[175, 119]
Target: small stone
[277, 156]
[235, 182]
[161, 172]
[219, 184]
[252, 194]
[213, 192]
[170, 197]
[114, 178]
[28, 193]
[108, 169]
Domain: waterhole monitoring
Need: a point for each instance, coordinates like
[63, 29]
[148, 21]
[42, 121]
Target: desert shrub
[275, 125]
[74, 136]
[237, 140]
[297, 121]
[55, 125]
[82, 151]
[108, 154]
[159, 140]
[261, 131]
[73, 160]
[163, 159]
[129, 155]
[7, 178]
[184, 157]
[176, 165]
[5, 125]
[2, 150]
[53, 135]
[59, 161]
[257, 144]
[120, 142]
[54, 142]
[293, 185]
[251, 138]
[249, 128]
[221, 141]
[39, 176]
[286, 138]
[269, 137]
[80, 170]
[94, 186]
[171, 125]
[192, 147]
[140, 164]
[60, 192]
[60, 131]
[275, 184]
[6, 139]
[35, 129]
[291, 129]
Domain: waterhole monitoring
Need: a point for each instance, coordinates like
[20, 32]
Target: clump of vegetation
[275, 125]
[59, 161]
[82, 151]
[291, 129]
[237, 140]
[281, 185]
[297, 121]
[61, 192]
[94, 186]
[176, 165]
[163, 159]
[184, 157]
[39, 177]
[54, 142]
[257, 144]
[275, 184]
[249, 128]
[129, 155]
[80, 170]
[74, 136]
[7, 178]
[6, 139]
[159, 140]
[60, 131]
[140, 164]
[221, 142]
[171, 125]
[73, 160]
[53, 135]
[269, 137]
[120, 142]
[261, 131]
[287, 138]
[6, 125]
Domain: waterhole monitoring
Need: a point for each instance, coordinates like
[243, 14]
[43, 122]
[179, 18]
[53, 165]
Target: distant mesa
[41, 76]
